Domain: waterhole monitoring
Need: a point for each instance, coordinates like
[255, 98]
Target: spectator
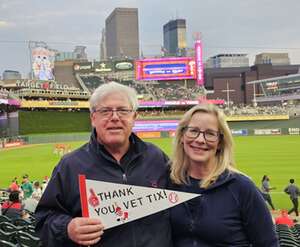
[114, 154]
[230, 210]
[45, 183]
[265, 189]
[14, 185]
[294, 192]
[37, 192]
[13, 207]
[26, 187]
[284, 219]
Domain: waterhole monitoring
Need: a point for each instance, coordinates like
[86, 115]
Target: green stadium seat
[7, 236]
[26, 239]
[4, 243]
[4, 218]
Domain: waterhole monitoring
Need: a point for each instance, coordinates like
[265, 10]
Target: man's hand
[85, 231]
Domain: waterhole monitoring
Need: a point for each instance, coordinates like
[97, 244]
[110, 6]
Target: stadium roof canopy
[281, 79]
[280, 88]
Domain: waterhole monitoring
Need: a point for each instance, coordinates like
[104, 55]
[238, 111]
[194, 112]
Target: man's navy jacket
[143, 165]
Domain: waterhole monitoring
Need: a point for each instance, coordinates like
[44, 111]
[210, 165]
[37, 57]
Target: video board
[173, 68]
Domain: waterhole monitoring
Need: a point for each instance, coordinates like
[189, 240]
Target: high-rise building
[103, 55]
[77, 54]
[11, 74]
[228, 60]
[272, 58]
[122, 33]
[175, 38]
[80, 53]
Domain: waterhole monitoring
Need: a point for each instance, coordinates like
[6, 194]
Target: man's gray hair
[110, 88]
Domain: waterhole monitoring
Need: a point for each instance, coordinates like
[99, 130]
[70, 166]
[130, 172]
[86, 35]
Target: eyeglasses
[108, 112]
[194, 132]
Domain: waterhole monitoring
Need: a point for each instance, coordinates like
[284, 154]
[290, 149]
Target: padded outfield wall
[39, 122]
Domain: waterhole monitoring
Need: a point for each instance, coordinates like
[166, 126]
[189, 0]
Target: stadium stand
[288, 237]
[19, 233]
[4, 243]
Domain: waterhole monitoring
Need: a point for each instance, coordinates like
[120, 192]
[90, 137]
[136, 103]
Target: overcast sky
[243, 26]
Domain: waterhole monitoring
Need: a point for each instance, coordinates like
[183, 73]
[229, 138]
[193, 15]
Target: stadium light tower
[254, 96]
[228, 91]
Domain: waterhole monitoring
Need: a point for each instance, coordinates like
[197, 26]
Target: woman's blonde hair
[224, 154]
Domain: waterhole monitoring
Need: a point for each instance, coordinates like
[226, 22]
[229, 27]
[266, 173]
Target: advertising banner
[173, 68]
[127, 65]
[43, 63]
[267, 131]
[54, 104]
[13, 144]
[294, 131]
[85, 67]
[240, 132]
[155, 125]
[148, 134]
[103, 67]
[199, 63]
[117, 204]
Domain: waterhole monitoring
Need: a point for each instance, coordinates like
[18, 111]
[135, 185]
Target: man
[26, 187]
[294, 192]
[114, 154]
[265, 189]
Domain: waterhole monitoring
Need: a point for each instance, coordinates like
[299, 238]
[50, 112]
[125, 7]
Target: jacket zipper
[124, 177]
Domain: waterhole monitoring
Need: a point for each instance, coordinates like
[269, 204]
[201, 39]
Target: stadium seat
[4, 218]
[4, 243]
[27, 240]
[288, 237]
[7, 236]
[9, 227]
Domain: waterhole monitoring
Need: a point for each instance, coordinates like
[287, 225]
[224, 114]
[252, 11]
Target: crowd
[255, 111]
[153, 90]
[22, 197]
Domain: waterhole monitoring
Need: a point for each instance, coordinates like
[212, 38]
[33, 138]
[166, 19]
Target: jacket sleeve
[256, 217]
[52, 214]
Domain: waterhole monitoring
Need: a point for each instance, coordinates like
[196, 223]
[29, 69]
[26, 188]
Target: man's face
[113, 129]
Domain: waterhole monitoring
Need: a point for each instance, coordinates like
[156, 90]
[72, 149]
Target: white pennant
[117, 204]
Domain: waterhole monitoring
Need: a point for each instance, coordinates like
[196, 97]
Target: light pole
[228, 91]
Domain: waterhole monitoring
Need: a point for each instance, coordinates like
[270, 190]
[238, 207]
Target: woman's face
[202, 149]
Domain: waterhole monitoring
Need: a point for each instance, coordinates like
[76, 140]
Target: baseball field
[276, 156]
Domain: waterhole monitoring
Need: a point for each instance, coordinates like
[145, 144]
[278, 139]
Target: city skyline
[250, 27]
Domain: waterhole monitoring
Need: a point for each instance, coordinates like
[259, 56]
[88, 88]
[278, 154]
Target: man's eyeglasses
[108, 112]
[194, 132]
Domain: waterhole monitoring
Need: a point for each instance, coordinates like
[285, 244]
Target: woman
[230, 210]
[265, 189]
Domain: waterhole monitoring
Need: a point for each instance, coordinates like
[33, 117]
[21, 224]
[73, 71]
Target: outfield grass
[276, 156]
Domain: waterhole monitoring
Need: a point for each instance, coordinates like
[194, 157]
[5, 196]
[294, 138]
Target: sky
[232, 26]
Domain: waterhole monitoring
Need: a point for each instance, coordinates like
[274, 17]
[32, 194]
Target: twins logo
[93, 199]
[173, 197]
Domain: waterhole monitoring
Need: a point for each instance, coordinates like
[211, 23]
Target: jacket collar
[226, 177]
[136, 144]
